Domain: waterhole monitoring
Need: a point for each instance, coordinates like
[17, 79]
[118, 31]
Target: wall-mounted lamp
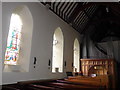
[49, 63]
[34, 60]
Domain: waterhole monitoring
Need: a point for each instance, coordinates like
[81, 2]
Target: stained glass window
[13, 41]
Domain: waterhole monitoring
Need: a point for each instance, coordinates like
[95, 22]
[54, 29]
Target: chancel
[60, 45]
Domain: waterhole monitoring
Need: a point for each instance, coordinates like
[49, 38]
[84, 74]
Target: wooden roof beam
[79, 8]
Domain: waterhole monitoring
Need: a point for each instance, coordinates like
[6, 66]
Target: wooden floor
[59, 84]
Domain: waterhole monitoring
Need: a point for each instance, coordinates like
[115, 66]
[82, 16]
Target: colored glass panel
[13, 42]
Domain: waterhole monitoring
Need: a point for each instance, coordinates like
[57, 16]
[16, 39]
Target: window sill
[12, 68]
[57, 72]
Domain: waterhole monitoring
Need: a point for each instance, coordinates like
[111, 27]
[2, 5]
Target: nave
[59, 84]
[97, 74]
[44, 41]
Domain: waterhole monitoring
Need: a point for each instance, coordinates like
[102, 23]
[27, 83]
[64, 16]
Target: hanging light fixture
[55, 42]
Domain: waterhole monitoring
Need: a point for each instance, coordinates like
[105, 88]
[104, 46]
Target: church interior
[60, 45]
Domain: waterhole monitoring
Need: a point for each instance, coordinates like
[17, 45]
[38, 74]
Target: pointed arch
[57, 56]
[19, 44]
[76, 62]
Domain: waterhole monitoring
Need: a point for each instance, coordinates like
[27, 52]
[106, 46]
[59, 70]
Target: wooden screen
[107, 64]
[86, 64]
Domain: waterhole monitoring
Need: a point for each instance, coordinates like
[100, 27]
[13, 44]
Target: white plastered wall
[44, 24]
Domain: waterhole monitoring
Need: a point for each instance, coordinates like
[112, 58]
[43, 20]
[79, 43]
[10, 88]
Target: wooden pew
[35, 81]
[99, 81]
[61, 85]
[32, 88]
[9, 88]
[80, 84]
[42, 87]
[72, 83]
[53, 84]
[72, 86]
[14, 86]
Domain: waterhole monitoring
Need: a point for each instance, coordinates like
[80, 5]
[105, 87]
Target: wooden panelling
[108, 64]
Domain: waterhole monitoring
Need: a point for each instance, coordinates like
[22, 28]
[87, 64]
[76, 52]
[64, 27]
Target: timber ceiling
[103, 17]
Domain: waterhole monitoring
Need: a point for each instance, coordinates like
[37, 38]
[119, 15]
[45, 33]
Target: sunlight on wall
[57, 57]
[76, 56]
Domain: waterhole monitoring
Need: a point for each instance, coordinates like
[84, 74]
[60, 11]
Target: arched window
[57, 57]
[19, 40]
[76, 55]
[13, 41]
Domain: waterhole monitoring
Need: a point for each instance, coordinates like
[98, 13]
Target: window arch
[13, 41]
[76, 62]
[57, 57]
[21, 63]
